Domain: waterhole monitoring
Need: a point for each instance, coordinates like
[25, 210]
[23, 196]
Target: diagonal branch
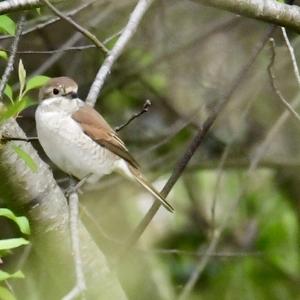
[145, 109]
[129, 30]
[79, 28]
[265, 10]
[10, 64]
[274, 84]
[44, 24]
[191, 149]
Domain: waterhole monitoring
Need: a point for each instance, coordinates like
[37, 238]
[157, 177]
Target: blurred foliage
[184, 58]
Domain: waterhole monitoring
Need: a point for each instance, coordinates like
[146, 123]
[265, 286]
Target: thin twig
[192, 147]
[10, 63]
[273, 82]
[292, 55]
[79, 28]
[202, 262]
[105, 69]
[77, 36]
[145, 109]
[217, 186]
[51, 21]
[74, 217]
[75, 48]
[200, 266]
[199, 253]
[262, 149]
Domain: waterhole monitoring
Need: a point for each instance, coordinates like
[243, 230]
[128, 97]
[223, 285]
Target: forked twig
[145, 109]
[273, 82]
[79, 28]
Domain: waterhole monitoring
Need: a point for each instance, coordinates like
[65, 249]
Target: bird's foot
[75, 185]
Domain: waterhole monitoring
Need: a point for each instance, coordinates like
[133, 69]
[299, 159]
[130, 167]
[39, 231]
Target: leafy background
[184, 58]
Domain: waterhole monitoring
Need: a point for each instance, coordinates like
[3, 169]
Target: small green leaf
[14, 109]
[12, 243]
[7, 25]
[3, 54]
[8, 92]
[22, 76]
[38, 10]
[5, 294]
[22, 222]
[36, 82]
[5, 275]
[30, 163]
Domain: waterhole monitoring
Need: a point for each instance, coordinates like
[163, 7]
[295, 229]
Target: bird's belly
[71, 150]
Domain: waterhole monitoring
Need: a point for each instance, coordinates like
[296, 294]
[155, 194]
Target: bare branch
[50, 216]
[274, 85]
[200, 266]
[192, 147]
[128, 32]
[266, 10]
[75, 38]
[145, 109]
[51, 21]
[217, 186]
[10, 63]
[8, 6]
[67, 49]
[292, 55]
[79, 28]
[263, 147]
[74, 226]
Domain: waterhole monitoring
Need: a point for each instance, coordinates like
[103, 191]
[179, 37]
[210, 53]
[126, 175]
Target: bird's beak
[71, 95]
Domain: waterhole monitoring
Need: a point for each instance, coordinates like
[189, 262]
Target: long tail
[142, 181]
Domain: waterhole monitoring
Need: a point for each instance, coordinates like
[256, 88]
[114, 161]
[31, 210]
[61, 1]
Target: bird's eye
[55, 91]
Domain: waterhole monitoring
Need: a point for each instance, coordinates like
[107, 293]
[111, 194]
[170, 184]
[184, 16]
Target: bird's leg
[75, 185]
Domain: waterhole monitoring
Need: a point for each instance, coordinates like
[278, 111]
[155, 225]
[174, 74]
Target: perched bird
[79, 141]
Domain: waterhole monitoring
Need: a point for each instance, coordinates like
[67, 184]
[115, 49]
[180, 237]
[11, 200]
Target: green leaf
[36, 82]
[3, 54]
[7, 25]
[5, 294]
[12, 243]
[14, 109]
[8, 92]
[22, 76]
[22, 222]
[5, 275]
[30, 163]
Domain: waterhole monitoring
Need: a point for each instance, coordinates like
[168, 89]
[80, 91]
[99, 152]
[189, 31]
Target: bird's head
[59, 87]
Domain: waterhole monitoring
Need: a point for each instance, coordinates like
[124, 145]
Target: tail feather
[142, 181]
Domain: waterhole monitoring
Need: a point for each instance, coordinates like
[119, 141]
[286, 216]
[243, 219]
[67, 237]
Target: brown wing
[98, 129]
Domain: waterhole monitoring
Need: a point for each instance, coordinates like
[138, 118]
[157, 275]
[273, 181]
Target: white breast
[67, 145]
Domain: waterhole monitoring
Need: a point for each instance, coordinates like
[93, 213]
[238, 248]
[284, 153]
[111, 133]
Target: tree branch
[10, 63]
[51, 21]
[49, 219]
[8, 6]
[192, 147]
[79, 28]
[265, 10]
[127, 33]
[145, 109]
[274, 85]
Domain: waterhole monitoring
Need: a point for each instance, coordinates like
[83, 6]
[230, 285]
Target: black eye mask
[71, 95]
